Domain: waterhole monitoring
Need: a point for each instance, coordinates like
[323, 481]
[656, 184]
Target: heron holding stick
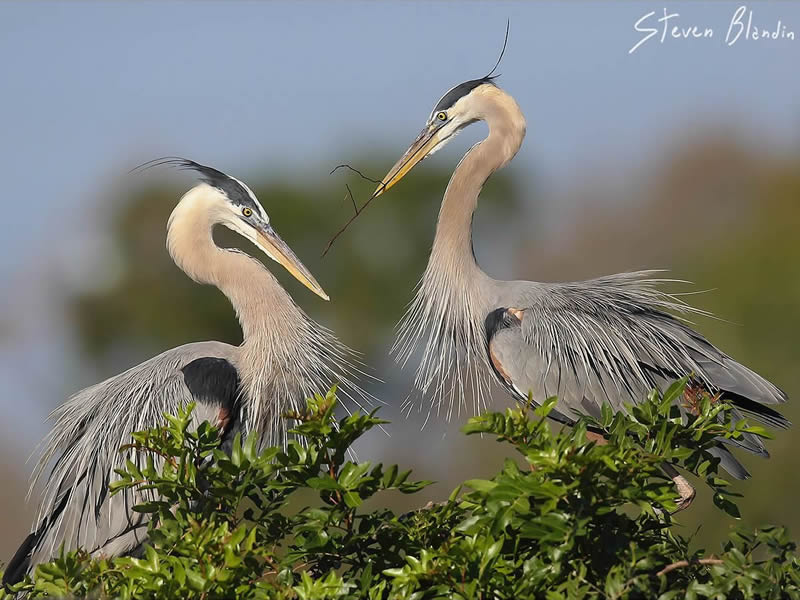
[607, 340]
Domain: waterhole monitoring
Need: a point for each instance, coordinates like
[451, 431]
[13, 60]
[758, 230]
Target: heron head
[464, 104]
[235, 206]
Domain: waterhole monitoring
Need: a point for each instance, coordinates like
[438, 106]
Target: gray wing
[90, 428]
[611, 340]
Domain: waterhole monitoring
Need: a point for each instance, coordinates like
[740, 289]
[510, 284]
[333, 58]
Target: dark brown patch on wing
[496, 321]
[224, 419]
[498, 366]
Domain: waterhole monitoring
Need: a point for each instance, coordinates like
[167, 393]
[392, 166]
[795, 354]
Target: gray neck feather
[455, 295]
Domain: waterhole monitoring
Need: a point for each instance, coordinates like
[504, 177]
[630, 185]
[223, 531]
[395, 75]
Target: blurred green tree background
[714, 211]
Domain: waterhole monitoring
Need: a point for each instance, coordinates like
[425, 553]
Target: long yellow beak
[278, 250]
[426, 141]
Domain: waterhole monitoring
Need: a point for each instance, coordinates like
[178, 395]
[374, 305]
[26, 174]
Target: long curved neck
[453, 241]
[262, 306]
[449, 309]
[285, 356]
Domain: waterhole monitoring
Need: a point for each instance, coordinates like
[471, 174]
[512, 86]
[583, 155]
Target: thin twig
[380, 183]
[354, 170]
[685, 563]
[350, 193]
[355, 205]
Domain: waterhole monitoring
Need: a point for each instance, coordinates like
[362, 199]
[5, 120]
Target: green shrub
[571, 519]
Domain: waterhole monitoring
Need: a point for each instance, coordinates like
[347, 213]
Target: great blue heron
[284, 357]
[610, 339]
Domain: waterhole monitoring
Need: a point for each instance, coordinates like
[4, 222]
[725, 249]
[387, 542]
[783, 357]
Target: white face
[244, 220]
[449, 122]
[252, 223]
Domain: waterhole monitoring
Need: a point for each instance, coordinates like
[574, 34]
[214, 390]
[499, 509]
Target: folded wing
[89, 429]
[611, 340]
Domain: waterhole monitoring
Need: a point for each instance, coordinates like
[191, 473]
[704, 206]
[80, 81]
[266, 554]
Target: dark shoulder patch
[459, 91]
[212, 381]
[493, 322]
[497, 320]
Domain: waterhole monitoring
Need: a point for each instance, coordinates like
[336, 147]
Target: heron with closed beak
[284, 357]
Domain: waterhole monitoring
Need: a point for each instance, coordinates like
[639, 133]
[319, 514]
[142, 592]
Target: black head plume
[461, 90]
[208, 174]
[237, 192]
[490, 76]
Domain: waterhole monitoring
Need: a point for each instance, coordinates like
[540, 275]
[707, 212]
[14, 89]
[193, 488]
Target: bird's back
[612, 340]
[91, 426]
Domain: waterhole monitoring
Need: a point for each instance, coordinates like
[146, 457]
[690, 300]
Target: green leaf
[565, 520]
[729, 507]
[352, 499]
[326, 482]
[480, 485]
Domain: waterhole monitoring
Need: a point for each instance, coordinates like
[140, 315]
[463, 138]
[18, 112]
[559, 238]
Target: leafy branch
[564, 517]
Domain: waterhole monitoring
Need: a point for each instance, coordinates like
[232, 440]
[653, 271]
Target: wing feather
[613, 340]
[84, 443]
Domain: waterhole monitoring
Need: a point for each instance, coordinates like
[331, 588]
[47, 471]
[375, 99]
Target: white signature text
[741, 27]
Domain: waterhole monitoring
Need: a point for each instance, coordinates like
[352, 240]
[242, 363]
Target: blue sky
[89, 89]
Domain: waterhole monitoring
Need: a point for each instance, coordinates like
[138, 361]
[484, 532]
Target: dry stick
[685, 563]
[355, 206]
[350, 193]
[356, 171]
[360, 174]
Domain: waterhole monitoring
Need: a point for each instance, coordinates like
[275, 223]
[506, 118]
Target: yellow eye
[247, 211]
[442, 116]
